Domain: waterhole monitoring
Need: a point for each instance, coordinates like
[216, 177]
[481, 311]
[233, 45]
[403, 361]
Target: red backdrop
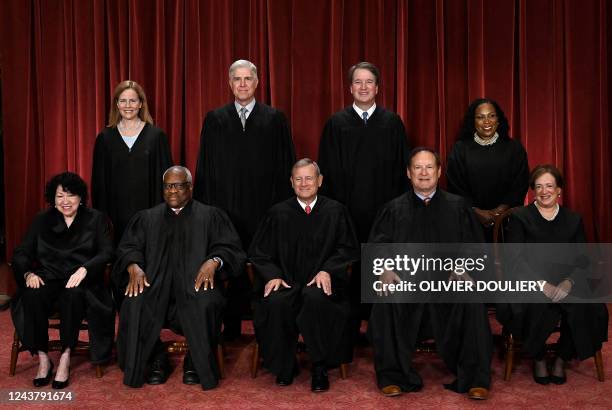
[545, 61]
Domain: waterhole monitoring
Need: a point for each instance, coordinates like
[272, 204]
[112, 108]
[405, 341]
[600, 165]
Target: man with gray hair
[175, 254]
[300, 253]
[244, 164]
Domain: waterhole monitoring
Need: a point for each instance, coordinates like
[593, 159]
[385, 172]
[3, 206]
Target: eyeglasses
[491, 117]
[126, 103]
[179, 186]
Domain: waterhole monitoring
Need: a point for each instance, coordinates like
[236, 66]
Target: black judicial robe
[461, 331]
[364, 165]
[244, 172]
[294, 246]
[488, 176]
[170, 249]
[583, 326]
[125, 181]
[54, 251]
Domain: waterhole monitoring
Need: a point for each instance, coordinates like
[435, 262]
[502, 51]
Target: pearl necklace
[551, 218]
[485, 142]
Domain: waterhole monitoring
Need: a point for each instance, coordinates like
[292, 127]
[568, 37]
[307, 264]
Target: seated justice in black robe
[176, 254]
[485, 166]
[583, 327]
[461, 331]
[301, 253]
[59, 267]
[244, 165]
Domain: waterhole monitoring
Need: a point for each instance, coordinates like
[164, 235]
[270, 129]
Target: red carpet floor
[359, 391]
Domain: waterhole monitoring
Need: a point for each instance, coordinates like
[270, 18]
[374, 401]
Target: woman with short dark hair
[59, 267]
[583, 327]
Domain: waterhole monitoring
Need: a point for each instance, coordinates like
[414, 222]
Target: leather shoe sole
[478, 393]
[391, 391]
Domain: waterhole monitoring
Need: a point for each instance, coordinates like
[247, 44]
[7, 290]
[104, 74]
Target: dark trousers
[321, 320]
[40, 303]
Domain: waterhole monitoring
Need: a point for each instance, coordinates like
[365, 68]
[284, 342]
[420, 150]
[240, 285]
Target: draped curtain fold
[545, 61]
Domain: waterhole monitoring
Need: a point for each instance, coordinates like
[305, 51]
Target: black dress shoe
[543, 380]
[190, 376]
[61, 385]
[159, 371]
[320, 382]
[282, 381]
[43, 381]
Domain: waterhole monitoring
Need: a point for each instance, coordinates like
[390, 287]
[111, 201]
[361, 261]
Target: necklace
[485, 142]
[541, 210]
[135, 125]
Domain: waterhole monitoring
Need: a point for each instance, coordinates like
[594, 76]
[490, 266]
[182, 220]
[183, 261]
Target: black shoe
[543, 380]
[282, 381]
[159, 371]
[190, 376]
[43, 381]
[320, 382]
[61, 385]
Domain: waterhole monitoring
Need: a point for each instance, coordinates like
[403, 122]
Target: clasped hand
[559, 292]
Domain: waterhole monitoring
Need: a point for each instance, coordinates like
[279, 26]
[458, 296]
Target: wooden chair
[511, 345]
[178, 347]
[255, 359]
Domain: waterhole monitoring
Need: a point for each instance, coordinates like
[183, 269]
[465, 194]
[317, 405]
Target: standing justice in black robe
[170, 249]
[488, 176]
[583, 326]
[54, 251]
[244, 172]
[295, 246]
[461, 331]
[364, 165]
[125, 181]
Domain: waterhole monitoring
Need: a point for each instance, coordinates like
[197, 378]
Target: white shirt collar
[423, 196]
[177, 210]
[303, 204]
[249, 107]
[360, 112]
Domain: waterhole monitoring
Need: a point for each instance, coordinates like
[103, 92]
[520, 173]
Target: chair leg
[14, 354]
[99, 371]
[221, 361]
[343, 371]
[509, 357]
[255, 360]
[599, 366]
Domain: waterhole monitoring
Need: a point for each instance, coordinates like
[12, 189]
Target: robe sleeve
[456, 174]
[263, 252]
[285, 159]
[24, 255]
[100, 189]
[225, 244]
[403, 153]
[515, 195]
[202, 189]
[130, 250]
[329, 162]
[346, 250]
[164, 161]
[96, 265]
[383, 227]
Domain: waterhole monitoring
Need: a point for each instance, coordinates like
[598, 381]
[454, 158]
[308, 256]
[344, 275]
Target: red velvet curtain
[545, 61]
